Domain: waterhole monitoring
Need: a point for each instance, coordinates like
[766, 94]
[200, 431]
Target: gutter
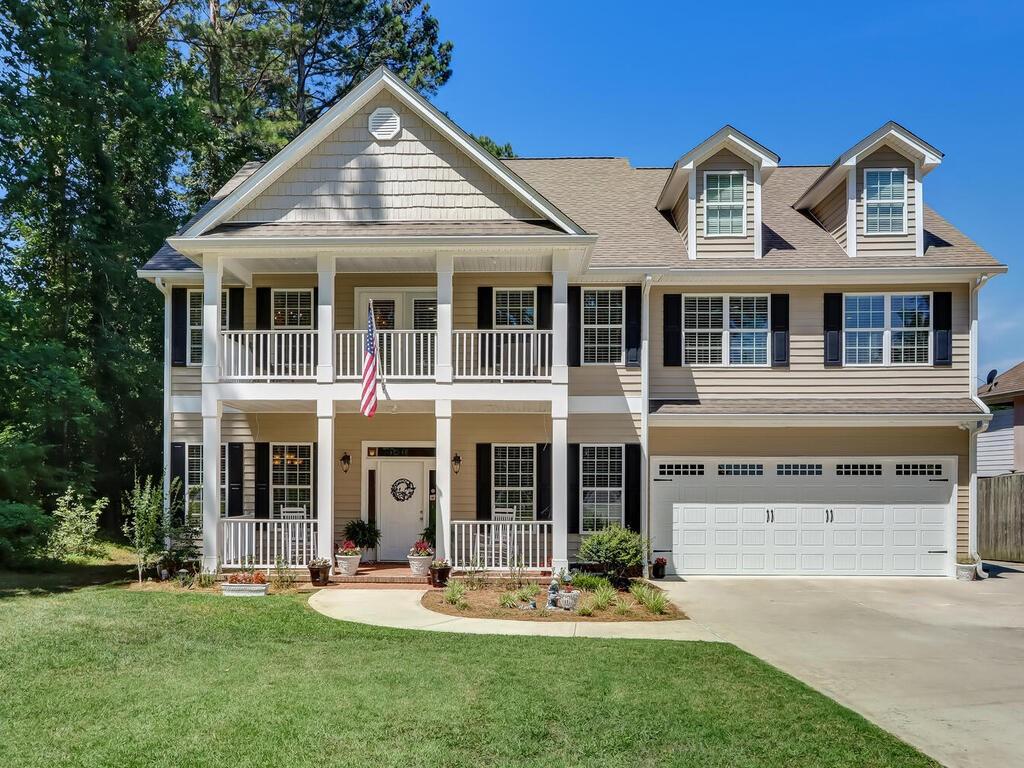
[645, 384]
[976, 429]
[190, 246]
[165, 289]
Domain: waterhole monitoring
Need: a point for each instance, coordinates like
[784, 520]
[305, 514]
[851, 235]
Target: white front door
[402, 505]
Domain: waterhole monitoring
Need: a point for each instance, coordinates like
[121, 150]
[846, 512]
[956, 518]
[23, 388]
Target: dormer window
[885, 210]
[725, 204]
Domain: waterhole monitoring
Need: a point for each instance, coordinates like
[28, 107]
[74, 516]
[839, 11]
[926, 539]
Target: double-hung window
[515, 308]
[725, 330]
[195, 323]
[514, 482]
[887, 329]
[293, 309]
[291, 477]
[603, 325]
[601, 487]
[193, 489]
[725, 203]
[885, 201]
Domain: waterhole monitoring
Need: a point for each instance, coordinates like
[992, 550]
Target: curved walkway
[401, 609]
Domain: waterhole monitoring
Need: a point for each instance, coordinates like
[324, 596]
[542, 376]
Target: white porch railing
[498, 545]
[502, 355]
[402, 354]
[259, 543]
[268, 355]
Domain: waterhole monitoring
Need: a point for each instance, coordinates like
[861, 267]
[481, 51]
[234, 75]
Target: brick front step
[371, 578]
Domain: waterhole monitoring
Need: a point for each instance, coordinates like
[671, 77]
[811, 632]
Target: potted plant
[365, 535]
[967, 567]
[440, 570]
[347, 558]
[658, 568]
[420, 556]
[246, 583]
[320, 571]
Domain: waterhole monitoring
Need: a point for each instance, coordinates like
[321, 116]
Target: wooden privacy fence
[1001, 517]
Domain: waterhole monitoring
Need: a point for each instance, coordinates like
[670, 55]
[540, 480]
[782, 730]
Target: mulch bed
[482, 603]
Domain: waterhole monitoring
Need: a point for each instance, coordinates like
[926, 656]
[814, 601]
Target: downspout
[974, 429]
[645, 381]
[166, 291]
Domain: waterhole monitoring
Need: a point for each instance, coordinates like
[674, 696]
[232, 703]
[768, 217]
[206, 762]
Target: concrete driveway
[937, 662]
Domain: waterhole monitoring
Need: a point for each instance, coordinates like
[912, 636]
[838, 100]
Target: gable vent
[384, 123]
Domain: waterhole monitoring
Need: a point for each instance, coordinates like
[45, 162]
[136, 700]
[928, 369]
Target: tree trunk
[215, 54]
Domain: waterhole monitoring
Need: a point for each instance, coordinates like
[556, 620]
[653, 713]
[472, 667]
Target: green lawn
[104, 676]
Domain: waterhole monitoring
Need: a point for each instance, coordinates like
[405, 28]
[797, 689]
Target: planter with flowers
[440, 570]
[245, 584]
[420, 556]
[658, 568]
[320, 571]
[347, 558]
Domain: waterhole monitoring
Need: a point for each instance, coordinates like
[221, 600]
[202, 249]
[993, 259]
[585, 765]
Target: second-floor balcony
[476, 355]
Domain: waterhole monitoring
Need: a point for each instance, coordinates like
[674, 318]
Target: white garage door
[815, 516]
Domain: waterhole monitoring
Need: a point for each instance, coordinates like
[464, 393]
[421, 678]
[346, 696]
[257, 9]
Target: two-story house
[763, 369]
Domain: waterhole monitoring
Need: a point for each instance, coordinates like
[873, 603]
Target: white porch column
[325, 269]
[445, 267]
[211, 483]
[443, 478]
[213, 271]
[559, 486]
[325, 479]
[560, 318]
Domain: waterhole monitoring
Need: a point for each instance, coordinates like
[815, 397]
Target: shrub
[621, 607]
[454, 593]
[75, 526]
[603, 597]
[585, 608]
[365, 535]
[508, 600]
[617, 550]
[527, 592]
[23, 530]
[652, 599]
[589, 582]
[143, 527]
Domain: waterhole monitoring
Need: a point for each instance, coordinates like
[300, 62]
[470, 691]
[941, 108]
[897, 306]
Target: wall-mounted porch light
[456, 463]
[346, 462]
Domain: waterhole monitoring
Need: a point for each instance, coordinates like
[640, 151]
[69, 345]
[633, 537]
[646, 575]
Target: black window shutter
[236, 309]
[544, 307]
[632, 481]
[833, 329]
[484, 307]
[263, 309]
[673, 329]
[262, 480]
[574, 308]
[942, 324]
[179, 326]
[543, 481]
[572, 487]
[634, 298]
[235, 471]
[177, 473]
[483, 481]
[315, 308]
[780, 330]
[315, 511]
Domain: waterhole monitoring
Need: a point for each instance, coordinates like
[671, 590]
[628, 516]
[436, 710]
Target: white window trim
[707, 204]
[725, 330]
[223, 477]
[622, 488]
[583, 325]
[494, 487]
[225, 316]
[906, 195]
[404, 297]
[494, 308]
[312, 312]
[888, 329]
[311, 511]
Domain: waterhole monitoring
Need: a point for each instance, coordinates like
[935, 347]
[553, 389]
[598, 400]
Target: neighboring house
[764, 369]
[1001, 446]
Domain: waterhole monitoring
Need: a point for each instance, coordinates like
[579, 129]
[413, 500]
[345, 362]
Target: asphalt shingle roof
[1005, 386]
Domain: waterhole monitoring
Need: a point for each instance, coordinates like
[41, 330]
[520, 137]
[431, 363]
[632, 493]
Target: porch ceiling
[271, 406]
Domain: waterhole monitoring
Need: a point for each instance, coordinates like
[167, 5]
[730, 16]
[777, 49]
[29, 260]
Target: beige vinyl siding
[464, 291]
[807, 375]
[876, 245]
[597, 380]
[604, 428]
[417, 176]
[346, 284]
[680, 215]
[186, 380]
[831, 441]
[831, 214]
[721, 247]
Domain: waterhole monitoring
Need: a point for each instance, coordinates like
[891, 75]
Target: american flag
[368, 403]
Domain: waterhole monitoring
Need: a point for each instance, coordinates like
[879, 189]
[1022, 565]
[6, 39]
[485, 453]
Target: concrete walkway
[401, 609]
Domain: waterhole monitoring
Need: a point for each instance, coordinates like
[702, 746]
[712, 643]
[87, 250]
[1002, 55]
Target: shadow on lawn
[63, 578]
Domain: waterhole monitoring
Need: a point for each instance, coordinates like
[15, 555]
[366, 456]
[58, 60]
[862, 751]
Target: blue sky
[648, 81]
